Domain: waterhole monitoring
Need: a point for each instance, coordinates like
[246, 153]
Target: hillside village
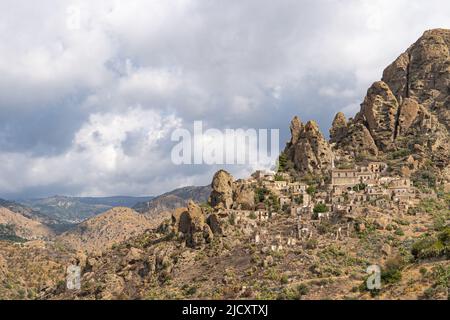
[344, 198]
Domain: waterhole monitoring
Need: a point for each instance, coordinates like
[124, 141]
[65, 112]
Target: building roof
[261, 206]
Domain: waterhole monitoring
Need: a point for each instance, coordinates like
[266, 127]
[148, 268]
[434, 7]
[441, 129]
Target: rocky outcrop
[192, 225]
[222, 190]
[407, 110]
[357, 142]
[339, 128]
[308, 150]
[244, 197]
[406, 116]
[379, 112]
[296, 129]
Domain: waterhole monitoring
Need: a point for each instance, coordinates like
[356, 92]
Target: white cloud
[65, 93]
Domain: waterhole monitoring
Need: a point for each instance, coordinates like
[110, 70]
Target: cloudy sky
[90, 91]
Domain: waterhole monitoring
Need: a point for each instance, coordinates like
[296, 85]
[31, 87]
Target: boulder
[191, 224]
[222, 193]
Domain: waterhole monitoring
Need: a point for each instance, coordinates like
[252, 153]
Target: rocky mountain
[405, 114]
[104, 230]
[169, 201]
[71, 210]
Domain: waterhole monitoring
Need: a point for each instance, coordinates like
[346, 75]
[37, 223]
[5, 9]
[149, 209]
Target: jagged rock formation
[407, 110]
[191, 223]
[338, 128]
[229, 194]
[222, 190]
[379, 112]
[308, 150]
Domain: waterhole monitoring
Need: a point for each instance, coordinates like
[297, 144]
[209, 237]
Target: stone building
[377, 167]
[297, 187]
[344, 177]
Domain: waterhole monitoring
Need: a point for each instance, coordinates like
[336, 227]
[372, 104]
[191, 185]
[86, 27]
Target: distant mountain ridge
[72, 210]
[174, 199]
[102, 231]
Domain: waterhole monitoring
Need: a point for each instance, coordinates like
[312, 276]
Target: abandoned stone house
[285, 201]
[306, 199]
[280, 185]
[400, 190]
[302, 210]
[352, 177]
[377, 167]
[260, 175]
[297, 187]
[261, 212]
[344, 177]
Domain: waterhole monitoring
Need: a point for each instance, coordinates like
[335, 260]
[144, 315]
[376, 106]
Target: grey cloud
[229, 63]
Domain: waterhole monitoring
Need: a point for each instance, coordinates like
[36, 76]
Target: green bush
[311, 244]
[391, 276]
[260, 194]
[392, 271]
[320, 208]
[401, 153]
[424, 179]
[311, 190]
[432, 247]
[282, 162]
[302, 289]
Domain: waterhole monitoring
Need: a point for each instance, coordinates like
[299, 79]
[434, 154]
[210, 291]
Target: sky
[91, 91]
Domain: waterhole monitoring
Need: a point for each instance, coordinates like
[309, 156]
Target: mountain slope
[106, 229]
[15, 224]
[27, 212]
